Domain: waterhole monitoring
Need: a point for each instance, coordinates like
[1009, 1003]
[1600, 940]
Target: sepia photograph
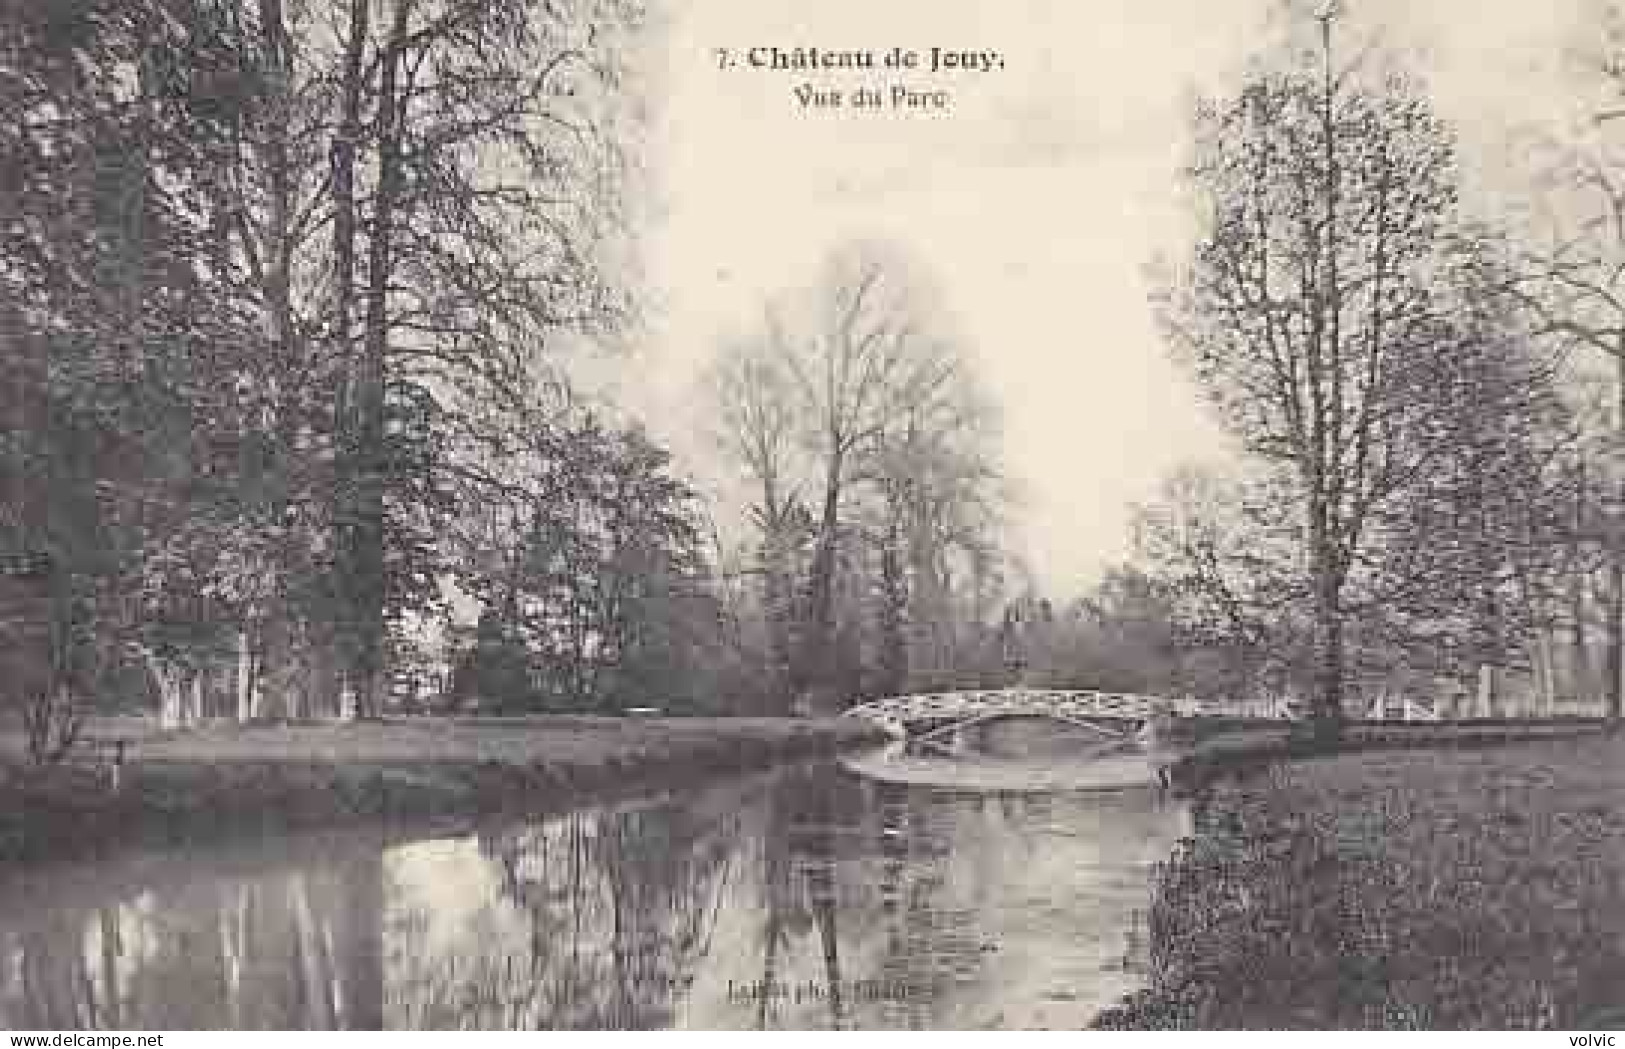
[803, 515]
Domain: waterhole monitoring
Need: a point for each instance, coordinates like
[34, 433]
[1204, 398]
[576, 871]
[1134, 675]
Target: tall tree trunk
[1490, 649]
[893, 613]
[168, 680]
[1579, 662]
[296, 672]
[929, 611]
[136, 191]
[818, 642]
[277, 46]
[1545, 672]
[1486, 691]
[246, 705]
[195, 697]
[1326, 706]
[290, 421]
[346, 145]
[778, 599]
[1325, 473]
[368, 550]
[1616, 591]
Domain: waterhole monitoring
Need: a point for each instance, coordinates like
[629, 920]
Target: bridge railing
[895, 711]
[922, 706]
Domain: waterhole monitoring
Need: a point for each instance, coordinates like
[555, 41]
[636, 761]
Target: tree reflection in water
[807, 811]
[298, 948]
[805, 898]
[615, 909]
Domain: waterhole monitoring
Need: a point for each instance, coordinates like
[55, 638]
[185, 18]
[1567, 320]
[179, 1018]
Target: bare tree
[1225, 554]
[756, 422]
[470, 217]
[853, 392]
[941, 501]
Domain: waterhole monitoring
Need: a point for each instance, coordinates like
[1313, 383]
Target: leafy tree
[125, 328]
[868, 446]
[1568, 278]
[591, 575]
[1317, 310]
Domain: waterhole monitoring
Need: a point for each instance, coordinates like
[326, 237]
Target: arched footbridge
[1099, 733]
[924, 716]
[920, 716]
[1107, 749]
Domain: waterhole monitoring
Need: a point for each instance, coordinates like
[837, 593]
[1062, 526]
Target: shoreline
[259, 781]
[1244, 751]
[1466, 886]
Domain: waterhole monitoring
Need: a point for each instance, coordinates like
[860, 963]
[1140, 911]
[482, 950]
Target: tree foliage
[1330, 311]
[869, 451]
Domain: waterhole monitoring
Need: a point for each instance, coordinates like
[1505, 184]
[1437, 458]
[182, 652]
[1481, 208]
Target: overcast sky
[1036, 200]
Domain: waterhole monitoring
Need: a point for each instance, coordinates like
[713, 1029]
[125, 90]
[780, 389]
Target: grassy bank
[1227, 747]
[266, 779]
[1454, 888]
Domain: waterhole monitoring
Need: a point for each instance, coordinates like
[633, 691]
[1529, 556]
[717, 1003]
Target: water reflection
[808, 898]
[298, 947]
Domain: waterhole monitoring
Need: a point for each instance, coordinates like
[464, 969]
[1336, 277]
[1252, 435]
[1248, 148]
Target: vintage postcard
[786, 515]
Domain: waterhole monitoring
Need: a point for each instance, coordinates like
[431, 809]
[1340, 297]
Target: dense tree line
[289, 289]
[1428, 497]
[868, 448]
[290, 294]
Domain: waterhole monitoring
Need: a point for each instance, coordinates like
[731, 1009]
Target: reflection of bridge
[927, 715]
[978, 729]
[1110, 756]
[1111, 753]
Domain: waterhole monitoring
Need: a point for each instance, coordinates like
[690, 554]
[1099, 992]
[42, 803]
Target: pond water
[808, 897]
